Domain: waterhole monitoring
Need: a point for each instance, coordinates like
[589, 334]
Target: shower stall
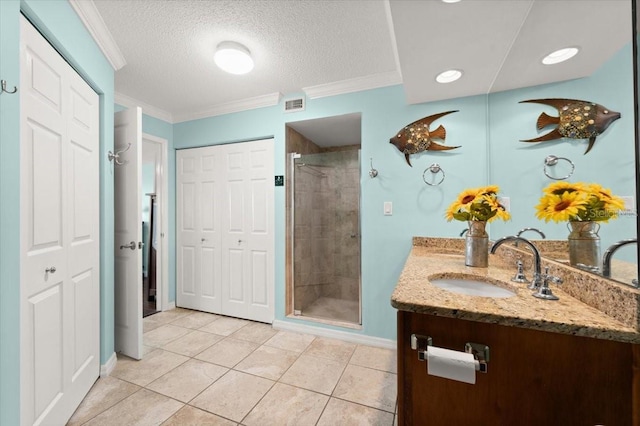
[324, 220]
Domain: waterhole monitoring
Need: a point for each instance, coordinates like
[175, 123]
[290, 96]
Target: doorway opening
[323, 220]
[153, 223]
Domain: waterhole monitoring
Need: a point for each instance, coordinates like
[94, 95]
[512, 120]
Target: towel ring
[552, 160]
[435, 169]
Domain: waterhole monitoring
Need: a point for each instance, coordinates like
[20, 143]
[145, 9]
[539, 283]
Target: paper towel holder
[479, 352]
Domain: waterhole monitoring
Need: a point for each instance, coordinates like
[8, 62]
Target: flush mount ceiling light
[560, 55]
[233, 58]
[450, 1]
[448, 76]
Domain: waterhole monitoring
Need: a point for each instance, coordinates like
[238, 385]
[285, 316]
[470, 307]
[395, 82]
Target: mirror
[519, 168]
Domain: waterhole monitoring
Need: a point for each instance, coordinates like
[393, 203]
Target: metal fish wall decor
[577, 120]
[416, 137]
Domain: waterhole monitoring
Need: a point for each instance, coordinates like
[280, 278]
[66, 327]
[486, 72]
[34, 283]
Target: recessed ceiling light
[560, 55]
[450, 1]
[448, 76]
[233, 58]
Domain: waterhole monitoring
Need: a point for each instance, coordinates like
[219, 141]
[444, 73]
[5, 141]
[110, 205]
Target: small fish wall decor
[576, 120]
[417, 137]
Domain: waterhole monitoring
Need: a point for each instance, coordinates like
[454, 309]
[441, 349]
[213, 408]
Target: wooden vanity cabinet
[534, 378]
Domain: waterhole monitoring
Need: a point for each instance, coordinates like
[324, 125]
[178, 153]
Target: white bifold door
[225, 220]
[59, 234]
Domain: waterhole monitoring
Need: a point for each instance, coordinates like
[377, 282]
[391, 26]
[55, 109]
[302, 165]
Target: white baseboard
[360, 339]
[169, 305]
[109, 366]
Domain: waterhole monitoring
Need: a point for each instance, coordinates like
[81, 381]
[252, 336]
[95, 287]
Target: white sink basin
[471, 287]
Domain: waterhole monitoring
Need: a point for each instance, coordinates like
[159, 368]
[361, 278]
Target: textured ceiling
[306, 45]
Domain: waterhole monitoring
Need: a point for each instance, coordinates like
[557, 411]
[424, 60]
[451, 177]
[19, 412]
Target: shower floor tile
[331, 308]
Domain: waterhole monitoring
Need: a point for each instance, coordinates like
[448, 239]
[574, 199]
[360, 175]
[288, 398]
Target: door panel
[128, 229]
[232, 223]
[59, 230]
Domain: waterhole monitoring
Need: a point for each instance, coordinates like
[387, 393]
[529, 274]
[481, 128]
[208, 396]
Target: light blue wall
[418, 208]
[60, 25]
[518, 166]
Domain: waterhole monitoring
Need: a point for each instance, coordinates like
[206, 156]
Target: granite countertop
[444, 257]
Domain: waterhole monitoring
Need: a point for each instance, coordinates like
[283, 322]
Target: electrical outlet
[505, 202]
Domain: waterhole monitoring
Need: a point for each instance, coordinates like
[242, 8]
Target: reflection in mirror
[323, 220]
[521, 171]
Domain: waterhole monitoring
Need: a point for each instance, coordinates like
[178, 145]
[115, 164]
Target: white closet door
[59, 230]
[247, 243]
[198, 229]
[225, 229]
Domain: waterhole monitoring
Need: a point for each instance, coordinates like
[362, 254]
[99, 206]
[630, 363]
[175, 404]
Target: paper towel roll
[453, 365]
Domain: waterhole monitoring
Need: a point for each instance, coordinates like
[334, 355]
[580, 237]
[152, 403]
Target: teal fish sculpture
[576, 120]
[417, 137]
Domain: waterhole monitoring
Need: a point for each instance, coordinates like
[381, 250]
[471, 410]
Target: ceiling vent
[293, 105]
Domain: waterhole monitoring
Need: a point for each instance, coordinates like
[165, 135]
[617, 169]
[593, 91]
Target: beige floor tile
[233, 395]
[373, 388]
[227, 352]
[224, 326]
[195, 320]
[147, 349]
[336, 350]
[143, 408]
[164, 334]
[267, 362]
[190, 416]
[145, 371]
[296, 342]
[316, 374]
[148, 324]
[104, 394]
[188, 380]
[193, 343]
[377, 358]
[287, 405]
[256, 332]
[170, 315]
[339, 412]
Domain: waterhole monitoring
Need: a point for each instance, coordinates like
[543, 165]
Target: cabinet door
[533, 378]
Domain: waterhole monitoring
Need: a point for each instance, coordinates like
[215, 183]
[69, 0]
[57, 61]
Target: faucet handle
[519, 277]
[544, 292]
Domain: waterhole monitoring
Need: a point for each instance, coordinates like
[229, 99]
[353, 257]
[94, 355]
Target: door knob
[131, 245]
[51, 270]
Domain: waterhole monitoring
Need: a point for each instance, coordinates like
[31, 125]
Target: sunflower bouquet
[578, 202]
[479, 204]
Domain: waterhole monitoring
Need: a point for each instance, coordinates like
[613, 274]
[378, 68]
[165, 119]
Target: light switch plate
[505, 202]
[388, 208]
[629, 205]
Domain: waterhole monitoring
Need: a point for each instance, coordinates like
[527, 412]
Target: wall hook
[116, 156]
[4, 87]
[373, 172]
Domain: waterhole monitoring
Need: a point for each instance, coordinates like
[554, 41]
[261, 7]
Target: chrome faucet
[537, 274]
[531, 229]
[608, 254]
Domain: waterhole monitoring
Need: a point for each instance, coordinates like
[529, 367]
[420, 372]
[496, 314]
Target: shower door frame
[291, 311]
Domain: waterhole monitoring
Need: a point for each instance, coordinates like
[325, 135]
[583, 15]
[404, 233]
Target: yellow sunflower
[558, 188]
[563, 207]
[611, 202]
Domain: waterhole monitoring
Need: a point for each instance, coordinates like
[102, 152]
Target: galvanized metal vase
[584, 244]
[476, 251]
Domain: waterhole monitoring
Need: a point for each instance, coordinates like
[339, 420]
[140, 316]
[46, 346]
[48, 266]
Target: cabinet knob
[51, 270]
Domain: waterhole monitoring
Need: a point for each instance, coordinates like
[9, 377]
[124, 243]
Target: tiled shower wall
[327, 230]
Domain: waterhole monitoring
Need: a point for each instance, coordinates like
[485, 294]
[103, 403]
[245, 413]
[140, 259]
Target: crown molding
[231, 107]
[92, 20]
[147, 109]
[375, 81]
